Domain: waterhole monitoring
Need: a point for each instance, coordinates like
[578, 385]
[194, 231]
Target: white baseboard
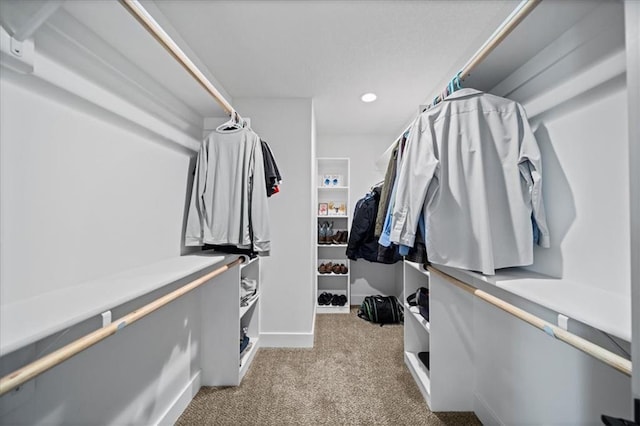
[181, 402]
[486, 415]
[286, 340]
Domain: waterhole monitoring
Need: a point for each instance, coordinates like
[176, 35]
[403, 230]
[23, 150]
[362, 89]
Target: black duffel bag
[381, 310]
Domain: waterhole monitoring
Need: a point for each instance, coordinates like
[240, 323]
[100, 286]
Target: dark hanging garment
[271, 173]
[363, 244]
[389, 254]
[385, 196]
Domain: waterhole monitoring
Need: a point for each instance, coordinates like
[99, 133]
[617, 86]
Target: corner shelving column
[222, 319]
[417, 330]
[445, 377]
[332, 196]
[250, 315]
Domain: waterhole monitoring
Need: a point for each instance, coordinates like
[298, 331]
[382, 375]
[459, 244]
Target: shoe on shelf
[329, 234]
[336, 269]
[325, 298]
[337, 238]
[321, 233]
[345, 237]
[322, 268]
[335, 300]
[343, 268]
[342, 299]
[328, 268]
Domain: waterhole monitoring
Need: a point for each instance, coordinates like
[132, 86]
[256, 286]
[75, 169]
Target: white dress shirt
[473, 163]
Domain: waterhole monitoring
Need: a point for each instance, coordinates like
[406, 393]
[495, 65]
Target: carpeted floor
[355, 374]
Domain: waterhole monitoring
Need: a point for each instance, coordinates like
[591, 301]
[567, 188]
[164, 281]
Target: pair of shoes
[325, 233]
[338, 300]
[325, 268]
[325, 298]
[339, 269]
[340, 237]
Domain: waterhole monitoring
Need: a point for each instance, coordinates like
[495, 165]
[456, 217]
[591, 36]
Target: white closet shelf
[332, 245]
[600, 309]
[423, 322]
[420, 374]
[417, 266]
[245, 309]
[332, 275]
[250, 262]
[322, 188]
[247, 357]
[334, 216]
[27, 321]
[330, 309]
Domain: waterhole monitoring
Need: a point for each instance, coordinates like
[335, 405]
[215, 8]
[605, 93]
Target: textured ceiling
[334, 51]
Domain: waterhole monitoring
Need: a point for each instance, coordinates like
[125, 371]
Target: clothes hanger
[376, 185]
[234, 123]
[458, 81]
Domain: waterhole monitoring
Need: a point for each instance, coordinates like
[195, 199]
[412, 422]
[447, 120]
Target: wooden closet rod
[616, 361]
[150, 24]
[39, 366]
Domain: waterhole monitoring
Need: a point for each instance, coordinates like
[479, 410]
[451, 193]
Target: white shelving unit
[333, 191]
[417, 330]
[250, 315]
[224, 317]
[447, 379]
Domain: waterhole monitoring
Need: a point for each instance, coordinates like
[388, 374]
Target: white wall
[577, 104]
[86, 193]
[578, 108]
[632, 26]
[134, 377]
[586, 190]
[523, 376]
[81, 197]
[367, 278]
[286, 302]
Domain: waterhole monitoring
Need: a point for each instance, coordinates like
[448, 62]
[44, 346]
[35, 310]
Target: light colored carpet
[355, 374]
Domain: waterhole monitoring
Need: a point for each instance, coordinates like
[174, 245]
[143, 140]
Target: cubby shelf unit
[335, 200]
[417, 329]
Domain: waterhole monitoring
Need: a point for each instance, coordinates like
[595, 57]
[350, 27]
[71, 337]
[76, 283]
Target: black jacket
[363, 244]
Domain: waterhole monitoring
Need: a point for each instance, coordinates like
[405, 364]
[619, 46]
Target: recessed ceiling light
[368, 97]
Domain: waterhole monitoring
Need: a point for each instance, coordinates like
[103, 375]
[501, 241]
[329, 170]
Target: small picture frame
[323, 209]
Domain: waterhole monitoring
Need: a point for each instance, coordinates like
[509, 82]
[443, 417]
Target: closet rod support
[39, 366]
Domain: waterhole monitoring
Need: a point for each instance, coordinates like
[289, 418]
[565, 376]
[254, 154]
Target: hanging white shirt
[229, 201]
[473, 162]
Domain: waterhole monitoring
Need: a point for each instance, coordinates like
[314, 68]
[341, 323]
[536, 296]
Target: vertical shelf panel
[250, 317]
[417, 331]
[222, 319]
[332, 183]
